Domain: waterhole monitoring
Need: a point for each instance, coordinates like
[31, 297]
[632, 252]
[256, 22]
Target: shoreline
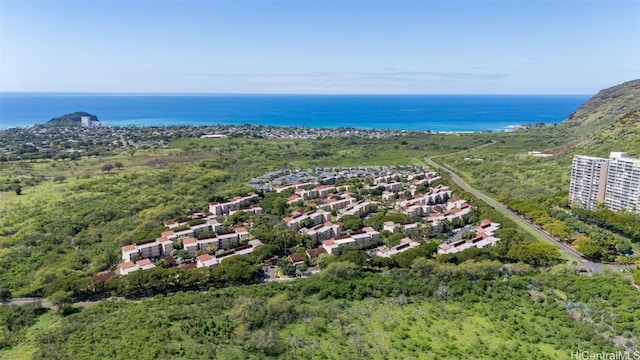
[508, 128]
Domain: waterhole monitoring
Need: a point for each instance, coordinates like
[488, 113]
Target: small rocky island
[79, 118]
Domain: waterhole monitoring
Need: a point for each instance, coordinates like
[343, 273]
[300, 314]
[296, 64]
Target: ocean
[399, 112]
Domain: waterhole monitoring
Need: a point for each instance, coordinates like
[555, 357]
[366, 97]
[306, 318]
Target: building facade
[614, 181]
[588, 181]
[623, 183]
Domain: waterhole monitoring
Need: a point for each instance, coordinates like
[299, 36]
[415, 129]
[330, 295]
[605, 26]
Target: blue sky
[430, 47]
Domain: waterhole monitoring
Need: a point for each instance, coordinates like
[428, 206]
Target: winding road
[590, 266]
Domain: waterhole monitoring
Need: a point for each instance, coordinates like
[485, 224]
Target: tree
[590, 248]
[274, 203]
[422, 267]
[324, 260]
[163, 264]
[394, 239]
[61, 297]
[237, 270]
[352, 222]
[536, 253]
[340, 270]
[5, 294]
[636, 277]
[466, 235]
[307, 223]
[107, 168]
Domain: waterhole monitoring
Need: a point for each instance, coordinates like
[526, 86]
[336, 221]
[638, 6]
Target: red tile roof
[316, 252]
[294, 258]
[189, 241]
[131, 247]
[144, 262]
[204, 257]
[127, 265]
[103, 276]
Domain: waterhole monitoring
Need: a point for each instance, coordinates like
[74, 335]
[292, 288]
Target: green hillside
[538, 186]
[72, 119]
[607, 122]
[605, 108]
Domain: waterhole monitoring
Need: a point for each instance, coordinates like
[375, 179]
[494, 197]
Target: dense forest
[479, 309]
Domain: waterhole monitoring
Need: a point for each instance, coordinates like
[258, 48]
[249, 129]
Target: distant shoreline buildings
[87, 121]
[614, 181]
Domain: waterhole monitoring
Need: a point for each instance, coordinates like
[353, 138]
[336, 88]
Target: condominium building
[614, 181]
[623, 183]
[588, 180]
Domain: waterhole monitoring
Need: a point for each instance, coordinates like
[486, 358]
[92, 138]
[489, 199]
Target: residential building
[313, 254]
[237, 203]
[405, 244]
[367, 236]
[484, 237]
[588, 181]
[147, 249]
[338, 202]
[623, 183]
[295, 259]
[614, 181]
[322, 231]
[128, 267]
[318, 217]
[360, 208]
[206, 260]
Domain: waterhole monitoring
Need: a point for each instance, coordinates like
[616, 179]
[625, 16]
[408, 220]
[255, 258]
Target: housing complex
[483, 236]
[320, 206]
[614, 181]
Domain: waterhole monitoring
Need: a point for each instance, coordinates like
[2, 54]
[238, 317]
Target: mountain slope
[606, 107]
[621, 135]
[609, 121]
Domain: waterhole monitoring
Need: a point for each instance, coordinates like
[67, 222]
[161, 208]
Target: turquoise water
[400, 112]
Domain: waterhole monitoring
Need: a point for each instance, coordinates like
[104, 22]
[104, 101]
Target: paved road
[30, 300]
[589, 265]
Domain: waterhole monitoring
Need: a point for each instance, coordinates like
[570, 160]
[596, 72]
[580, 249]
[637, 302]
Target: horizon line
[281, 94]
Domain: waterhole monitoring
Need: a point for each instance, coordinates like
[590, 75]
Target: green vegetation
[72, 119]
[483, 310]
[537, 187]
[76, 227]
[15, 321]
[64, 217]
